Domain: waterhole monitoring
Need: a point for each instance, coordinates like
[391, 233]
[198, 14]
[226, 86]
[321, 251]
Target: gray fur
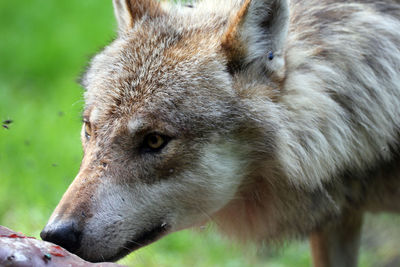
[272, 149]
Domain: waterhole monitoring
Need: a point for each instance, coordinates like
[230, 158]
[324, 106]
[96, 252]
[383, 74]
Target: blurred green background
[44, 46]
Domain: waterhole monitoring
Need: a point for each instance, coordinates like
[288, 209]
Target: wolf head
[170, 133]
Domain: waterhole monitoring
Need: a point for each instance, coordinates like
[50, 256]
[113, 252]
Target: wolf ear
[129, 11]
[257, 34]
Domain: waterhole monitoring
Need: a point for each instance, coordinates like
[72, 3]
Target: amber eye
[155, 142]
[88, 130]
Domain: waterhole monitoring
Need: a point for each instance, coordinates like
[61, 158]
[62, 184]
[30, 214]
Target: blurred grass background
[44, 46]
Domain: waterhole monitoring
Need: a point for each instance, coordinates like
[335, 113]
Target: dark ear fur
[257, 35]
[127, 12]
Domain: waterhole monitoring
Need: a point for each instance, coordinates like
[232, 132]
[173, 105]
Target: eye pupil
[154, 139]
[155, 142]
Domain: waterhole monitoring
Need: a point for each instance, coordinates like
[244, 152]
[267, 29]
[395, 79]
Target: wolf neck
[316, 140]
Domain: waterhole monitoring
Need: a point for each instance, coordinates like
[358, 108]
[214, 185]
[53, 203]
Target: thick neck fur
[332, 113]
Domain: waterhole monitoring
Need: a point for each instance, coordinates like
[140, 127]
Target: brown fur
[235, 50]
[280, 120]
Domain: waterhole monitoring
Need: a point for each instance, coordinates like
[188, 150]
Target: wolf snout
[65, 234]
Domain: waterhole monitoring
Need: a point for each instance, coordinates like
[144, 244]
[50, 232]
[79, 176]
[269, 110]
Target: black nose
[65, 235]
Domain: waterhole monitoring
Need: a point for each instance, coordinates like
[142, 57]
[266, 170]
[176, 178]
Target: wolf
[275, 119]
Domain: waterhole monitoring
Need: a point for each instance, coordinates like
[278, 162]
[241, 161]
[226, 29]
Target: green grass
[44, 46]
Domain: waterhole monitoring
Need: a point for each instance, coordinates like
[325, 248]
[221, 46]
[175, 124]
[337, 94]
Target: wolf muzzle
[65, 234]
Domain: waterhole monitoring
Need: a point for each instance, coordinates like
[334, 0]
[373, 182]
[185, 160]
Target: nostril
[66, 235]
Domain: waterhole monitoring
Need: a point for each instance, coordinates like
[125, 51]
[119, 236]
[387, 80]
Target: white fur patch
[94, 115]
[135, 124]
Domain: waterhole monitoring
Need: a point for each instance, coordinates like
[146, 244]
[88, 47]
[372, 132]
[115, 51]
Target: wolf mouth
[141, 240]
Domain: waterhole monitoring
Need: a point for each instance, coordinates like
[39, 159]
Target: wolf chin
[276, 119]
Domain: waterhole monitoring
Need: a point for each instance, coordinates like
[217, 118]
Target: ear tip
[129, 11]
